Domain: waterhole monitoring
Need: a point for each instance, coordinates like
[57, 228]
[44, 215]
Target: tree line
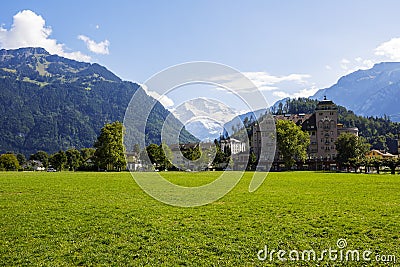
[107, 154]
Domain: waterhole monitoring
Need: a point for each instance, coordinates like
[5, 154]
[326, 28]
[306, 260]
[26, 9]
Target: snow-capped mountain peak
[204, 117]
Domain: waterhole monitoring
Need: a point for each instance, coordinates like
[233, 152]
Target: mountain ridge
[50, 103]
[371, 92]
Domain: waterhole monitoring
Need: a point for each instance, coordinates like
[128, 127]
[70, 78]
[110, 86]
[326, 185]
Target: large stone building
[323, 128]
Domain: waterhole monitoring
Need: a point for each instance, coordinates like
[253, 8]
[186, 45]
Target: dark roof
[326, 105]
[325, 102]
[296, 118]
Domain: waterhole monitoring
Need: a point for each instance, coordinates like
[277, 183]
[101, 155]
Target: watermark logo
[339, 253]
[177, 78]
[341, 243]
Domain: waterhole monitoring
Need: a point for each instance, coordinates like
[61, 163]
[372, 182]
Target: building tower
[262, 142]
[326, 118]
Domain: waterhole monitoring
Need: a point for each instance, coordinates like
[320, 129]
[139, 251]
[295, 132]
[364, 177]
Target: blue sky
[288, 48]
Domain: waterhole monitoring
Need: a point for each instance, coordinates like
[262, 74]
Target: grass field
[67, 219]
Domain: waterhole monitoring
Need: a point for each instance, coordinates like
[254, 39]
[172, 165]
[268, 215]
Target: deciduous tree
[58, 160]
[74, 159]
[292, 142]
[110, 151]
[87, 155]
[41, 156]
[392, 163]
[350, 146]
[21, 159]
[9, 162]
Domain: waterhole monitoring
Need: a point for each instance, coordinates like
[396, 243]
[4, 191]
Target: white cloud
[164, 100]
[264, 81]
[328, 67]
[358, 63]
[389, 49]
[98, 48]
[30, 30]
[267, 82]
[344, 64]
[306, 92]
[345, 61]
[280, 94]
[272, 87]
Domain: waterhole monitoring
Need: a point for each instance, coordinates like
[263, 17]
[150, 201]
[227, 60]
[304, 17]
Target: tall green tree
[74, 159]
[153, 154]
[350, 148]
[21, 159]
[206, 157]
[9, 162]
[292, 142]
[159, 156]
[58, 160]
[392, 163]
[376, 163]
[41, 156]
[110, 151]
[221, 159]
[192, 153]
[165, 157]
[252, 163]
[87, 156]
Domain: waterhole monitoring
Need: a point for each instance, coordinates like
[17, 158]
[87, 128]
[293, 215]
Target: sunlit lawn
[85, 219]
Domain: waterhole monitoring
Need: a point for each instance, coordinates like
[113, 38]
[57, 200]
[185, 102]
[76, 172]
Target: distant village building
[379, 154]
[133, 163]
[184, 164]
[233, 145]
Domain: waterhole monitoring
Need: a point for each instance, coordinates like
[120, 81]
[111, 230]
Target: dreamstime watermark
[339, 253]
[139, 127]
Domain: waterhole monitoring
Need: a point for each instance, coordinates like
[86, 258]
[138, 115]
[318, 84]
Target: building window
[313, 133]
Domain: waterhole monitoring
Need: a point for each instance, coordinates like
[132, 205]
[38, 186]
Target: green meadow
[105, 219]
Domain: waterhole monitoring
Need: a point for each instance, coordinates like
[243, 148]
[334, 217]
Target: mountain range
[371, 92]
[204, 118]
[49, 103]
[207, 119]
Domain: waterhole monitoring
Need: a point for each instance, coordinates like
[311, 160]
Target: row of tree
[160, 156]
[107, 154]
[376, 163]
[71, 159]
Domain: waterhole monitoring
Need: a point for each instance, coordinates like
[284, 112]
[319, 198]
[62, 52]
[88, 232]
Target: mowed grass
[68, 219]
